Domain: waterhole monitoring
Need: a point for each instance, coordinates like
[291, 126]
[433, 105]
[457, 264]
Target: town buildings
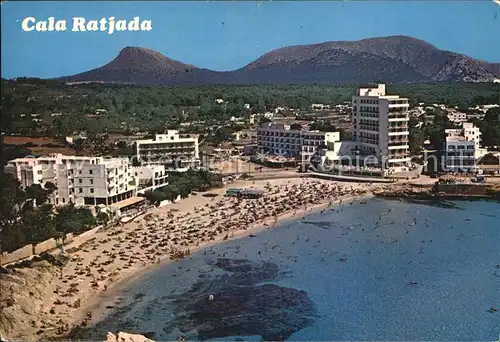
[170, 149]
[462, 148]
[78, 180]
[292, 140]
[381, 128]
[457, 117]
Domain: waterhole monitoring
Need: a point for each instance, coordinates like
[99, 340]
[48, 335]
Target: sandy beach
[121, 252]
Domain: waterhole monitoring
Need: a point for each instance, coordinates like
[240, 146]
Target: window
[39, 172]
[80, 181]
[80, 190]
[90, 172]
[91, 181]
[79, 172]
[64, 200]
[91, 190]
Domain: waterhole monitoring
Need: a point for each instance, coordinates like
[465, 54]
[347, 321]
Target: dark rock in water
[246, 272]
[493, 309]
[149, 334]
[320, 224]
[241, 306]
[139, 296]
[244, 304]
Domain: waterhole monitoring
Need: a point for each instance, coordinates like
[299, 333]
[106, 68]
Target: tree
[39, 223]
[263, 119]
[11, 200]
[78, 145]
[156, 196]
[70, 219]
[102, 217]
[261, 106]
[171, 192]
[37, 195]
[416, 137]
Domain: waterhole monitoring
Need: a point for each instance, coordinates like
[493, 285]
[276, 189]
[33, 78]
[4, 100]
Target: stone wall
[79, 240]
[45, 246]
[18, 254]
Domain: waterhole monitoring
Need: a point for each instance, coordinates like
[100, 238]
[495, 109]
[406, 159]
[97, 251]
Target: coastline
[94, 304]
[114, 257]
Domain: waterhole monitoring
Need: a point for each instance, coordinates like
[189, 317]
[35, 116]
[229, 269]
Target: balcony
[371, 128]
[399, 156]
[404, 126]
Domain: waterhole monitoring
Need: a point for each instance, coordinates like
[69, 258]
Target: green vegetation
[184, 183]
[490, 127]
[27, 218]
[153, 108]
[432, 131]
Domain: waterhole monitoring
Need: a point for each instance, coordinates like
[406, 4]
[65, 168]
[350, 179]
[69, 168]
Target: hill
[394, 59]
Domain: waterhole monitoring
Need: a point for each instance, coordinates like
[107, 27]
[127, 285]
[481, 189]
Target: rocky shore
[442, 191]
[125, 337]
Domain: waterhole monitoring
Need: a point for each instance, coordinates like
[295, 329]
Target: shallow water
[384, 270]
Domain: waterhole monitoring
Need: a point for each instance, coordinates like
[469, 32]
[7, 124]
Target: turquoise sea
[380, 270]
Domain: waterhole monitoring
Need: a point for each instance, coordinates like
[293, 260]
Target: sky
[228, 35]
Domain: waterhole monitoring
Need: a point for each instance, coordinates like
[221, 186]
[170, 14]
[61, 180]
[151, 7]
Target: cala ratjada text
[80, 24]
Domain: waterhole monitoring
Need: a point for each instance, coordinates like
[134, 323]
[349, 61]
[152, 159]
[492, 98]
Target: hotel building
[292, 140]
[150, 177]
[170, 150]
[462, 148]
[78, 180]
[381, 128]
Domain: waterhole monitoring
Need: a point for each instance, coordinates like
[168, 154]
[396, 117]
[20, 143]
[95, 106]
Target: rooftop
[128, 202]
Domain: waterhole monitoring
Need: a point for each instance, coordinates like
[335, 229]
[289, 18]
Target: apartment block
[79, 180]
[170, 150]
[292, 140]
[381, 128]
[150, 177]
[462, 148]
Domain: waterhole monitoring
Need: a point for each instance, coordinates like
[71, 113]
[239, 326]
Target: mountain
[141, 66]
[394, 59]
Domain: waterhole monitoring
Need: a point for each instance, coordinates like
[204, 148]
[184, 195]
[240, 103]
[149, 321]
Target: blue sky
[228, 35]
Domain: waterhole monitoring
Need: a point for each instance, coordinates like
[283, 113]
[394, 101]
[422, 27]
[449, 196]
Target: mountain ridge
[395, 59]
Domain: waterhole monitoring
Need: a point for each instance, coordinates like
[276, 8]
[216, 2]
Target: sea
[369, 270]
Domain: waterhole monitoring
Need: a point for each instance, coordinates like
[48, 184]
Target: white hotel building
[292, 140]
[463, 148]
[381, 128]
[79, 180]
[168, 149]
[150, 177]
